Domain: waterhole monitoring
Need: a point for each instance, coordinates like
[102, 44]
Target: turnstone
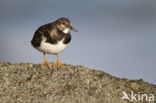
[53, 38]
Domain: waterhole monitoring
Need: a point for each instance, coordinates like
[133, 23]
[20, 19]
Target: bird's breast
[52, 48]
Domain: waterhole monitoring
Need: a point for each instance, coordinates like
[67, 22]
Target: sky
[115, 36]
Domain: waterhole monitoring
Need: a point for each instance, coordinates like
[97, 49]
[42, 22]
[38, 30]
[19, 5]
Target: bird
[53, 38]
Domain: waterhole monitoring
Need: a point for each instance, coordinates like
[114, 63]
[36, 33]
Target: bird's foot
[45, 62]
[58, 64]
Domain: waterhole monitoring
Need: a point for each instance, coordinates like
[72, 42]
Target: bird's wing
[49, 30]
[41, 31]
[37, 38]
[53, 32]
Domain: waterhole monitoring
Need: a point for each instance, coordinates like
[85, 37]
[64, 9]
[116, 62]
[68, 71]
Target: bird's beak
[73, 29]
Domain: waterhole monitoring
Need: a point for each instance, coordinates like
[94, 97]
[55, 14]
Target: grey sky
[116, 36]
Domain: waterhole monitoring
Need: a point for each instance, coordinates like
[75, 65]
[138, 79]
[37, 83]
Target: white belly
[52, 48]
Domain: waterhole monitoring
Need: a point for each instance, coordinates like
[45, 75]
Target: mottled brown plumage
[53, 37]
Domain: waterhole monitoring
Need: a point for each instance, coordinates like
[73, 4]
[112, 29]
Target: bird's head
[64, 25]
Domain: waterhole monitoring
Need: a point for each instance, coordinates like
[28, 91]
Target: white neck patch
[66, 31]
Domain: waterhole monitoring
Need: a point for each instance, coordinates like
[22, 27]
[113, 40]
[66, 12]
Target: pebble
[29, 83]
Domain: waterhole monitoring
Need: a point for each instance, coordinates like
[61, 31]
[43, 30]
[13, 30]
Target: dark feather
[45, 31]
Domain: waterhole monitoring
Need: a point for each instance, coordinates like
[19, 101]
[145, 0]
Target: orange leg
[45, 61]
[58, 62]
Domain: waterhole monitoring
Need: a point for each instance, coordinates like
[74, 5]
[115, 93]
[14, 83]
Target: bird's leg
[58, 62]
[45, 61]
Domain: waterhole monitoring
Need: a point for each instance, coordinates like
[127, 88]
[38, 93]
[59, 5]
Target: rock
[30, 83]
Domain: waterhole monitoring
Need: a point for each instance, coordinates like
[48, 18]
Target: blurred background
[115, 36]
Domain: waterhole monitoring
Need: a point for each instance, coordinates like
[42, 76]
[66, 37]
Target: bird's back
[51, 33]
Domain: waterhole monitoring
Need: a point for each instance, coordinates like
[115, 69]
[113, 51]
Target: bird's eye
[64, 23]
